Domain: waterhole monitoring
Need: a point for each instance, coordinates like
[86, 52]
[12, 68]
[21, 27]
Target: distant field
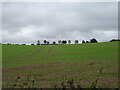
[52, 63]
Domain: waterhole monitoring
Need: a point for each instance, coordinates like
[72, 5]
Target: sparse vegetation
[66, 83]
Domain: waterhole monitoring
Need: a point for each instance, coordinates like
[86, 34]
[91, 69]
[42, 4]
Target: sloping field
[51, 64]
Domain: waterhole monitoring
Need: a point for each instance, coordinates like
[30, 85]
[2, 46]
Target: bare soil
[7, 72]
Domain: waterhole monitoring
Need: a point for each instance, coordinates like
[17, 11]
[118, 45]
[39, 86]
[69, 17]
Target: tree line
[63, 42]
[59, 42]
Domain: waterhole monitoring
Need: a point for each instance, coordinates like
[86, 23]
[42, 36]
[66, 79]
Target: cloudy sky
[27, 22]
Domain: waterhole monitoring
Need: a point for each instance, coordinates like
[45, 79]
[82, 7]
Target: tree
[93, 40]
[76, 41]
[83, 41]
[45, 42]
[38, 42]
[64, 42]
[59, 42]
[8, 43]
[32, 44]
[87, 41]
[69, 41]
[114, 40]
[54, 42]
[23, 44]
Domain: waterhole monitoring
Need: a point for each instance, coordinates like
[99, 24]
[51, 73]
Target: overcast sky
[31, 21]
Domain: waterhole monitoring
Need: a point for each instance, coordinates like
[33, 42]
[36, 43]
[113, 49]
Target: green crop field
[51, 64]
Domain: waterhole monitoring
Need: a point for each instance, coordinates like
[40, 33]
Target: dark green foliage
[93, 40]
[114, 40]
[83, 41]
[76, 41]
[87, 41]
[64, 42]
[45, 42]
[38, 42]
[54, 42]
[69, 41]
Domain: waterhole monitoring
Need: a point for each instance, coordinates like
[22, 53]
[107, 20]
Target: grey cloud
[53, 21]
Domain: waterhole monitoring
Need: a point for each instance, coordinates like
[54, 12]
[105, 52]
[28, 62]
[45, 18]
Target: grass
[51, 63]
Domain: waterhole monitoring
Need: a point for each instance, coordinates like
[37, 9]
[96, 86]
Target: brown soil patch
[49, 65]
[99, 62]
[102, 82]
[40, 75]
[44, 79]
[38, 66]
[108, 82]
[93, 63]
